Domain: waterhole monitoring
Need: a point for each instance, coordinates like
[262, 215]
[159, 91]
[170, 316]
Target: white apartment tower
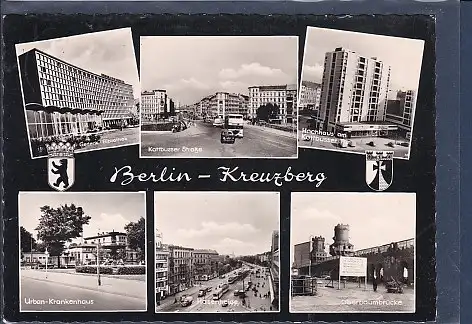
[354, 89]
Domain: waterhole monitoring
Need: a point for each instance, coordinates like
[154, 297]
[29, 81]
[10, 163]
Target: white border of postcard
[31, 45]
[223, 157]
[331, 33]
[314, 311]
[91, 193]
[219, 192]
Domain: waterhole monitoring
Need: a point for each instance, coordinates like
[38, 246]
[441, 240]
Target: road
[361, 143]
[42, 295]
[352, 299]
[206, 304]
[203, 141]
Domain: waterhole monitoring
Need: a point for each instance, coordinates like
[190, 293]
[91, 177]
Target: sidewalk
[273, 130]
[124, 287]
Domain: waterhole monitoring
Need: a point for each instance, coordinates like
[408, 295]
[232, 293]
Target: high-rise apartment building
[283, 96]
[62, 99]
[180, 268]
[354, 91]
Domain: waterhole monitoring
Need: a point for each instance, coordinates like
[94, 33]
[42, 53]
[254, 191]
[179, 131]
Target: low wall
[158, 127]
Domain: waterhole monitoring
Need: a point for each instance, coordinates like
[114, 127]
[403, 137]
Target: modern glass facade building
[62, 99]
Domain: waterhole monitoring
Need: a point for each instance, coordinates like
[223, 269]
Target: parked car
[371, 143]
[351, 144]
[227, 137]
[391, 144]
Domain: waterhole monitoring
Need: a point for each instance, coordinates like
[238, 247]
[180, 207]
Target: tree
[267, 112]
[27, 242]
[136, 233]
[60, 225]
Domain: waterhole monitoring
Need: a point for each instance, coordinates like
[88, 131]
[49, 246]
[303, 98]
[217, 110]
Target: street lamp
[98, 264]
[47, 257]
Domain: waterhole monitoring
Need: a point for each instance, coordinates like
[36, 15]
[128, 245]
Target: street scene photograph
[353, 252]
[217, 252]
[219, 96]
[82, 251]
[81, 89]
[358, 91]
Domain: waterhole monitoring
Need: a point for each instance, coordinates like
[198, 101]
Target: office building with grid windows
[62, 99]
[354, 95]
[400, 111]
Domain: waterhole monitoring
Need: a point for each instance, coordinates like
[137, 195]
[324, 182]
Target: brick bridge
[392, 258]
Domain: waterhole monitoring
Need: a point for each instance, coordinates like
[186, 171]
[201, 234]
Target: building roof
[311, 84]
[208, 251]
[75, 66]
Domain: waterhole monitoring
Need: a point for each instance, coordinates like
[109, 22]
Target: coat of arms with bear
[61, 173]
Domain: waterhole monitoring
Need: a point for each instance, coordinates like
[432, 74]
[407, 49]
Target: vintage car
[227, 137]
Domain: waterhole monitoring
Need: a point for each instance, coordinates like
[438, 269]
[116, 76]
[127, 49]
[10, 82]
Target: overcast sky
[190, 67]
[228, 222]
[402, 54]
[374, 218]
[108, 52]
[108, 211]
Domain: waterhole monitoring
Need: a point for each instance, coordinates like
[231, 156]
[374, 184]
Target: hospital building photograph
[346, 257]
[80, 89]
[358, 91]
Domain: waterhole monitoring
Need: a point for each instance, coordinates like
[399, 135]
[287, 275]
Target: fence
[304, 286]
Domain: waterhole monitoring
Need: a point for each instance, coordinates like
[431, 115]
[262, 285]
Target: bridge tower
[318, 253]
[341, 245]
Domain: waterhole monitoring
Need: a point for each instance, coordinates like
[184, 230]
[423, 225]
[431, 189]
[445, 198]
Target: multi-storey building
[162, 268]
[223, 103]
[310, 96]
[62, 99]
[180, 268]
[401, 112]
[283, 96]
[156, 104]
[205, 263]
[203, 106]
[275, 268]
[354, 95]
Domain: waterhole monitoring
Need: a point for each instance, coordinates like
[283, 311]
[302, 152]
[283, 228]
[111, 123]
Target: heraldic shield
[61, 166]
[379, 169]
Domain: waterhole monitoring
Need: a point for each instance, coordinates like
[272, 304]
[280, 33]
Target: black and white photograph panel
[219, 96]
[353, 252]
[82, 251]
[217, 252]
[81, 89]
[358, 91]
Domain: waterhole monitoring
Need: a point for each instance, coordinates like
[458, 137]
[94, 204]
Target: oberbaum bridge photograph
[346, 257]
[88, 98]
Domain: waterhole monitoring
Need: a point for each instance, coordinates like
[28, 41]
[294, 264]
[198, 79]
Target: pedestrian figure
[375, 284]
